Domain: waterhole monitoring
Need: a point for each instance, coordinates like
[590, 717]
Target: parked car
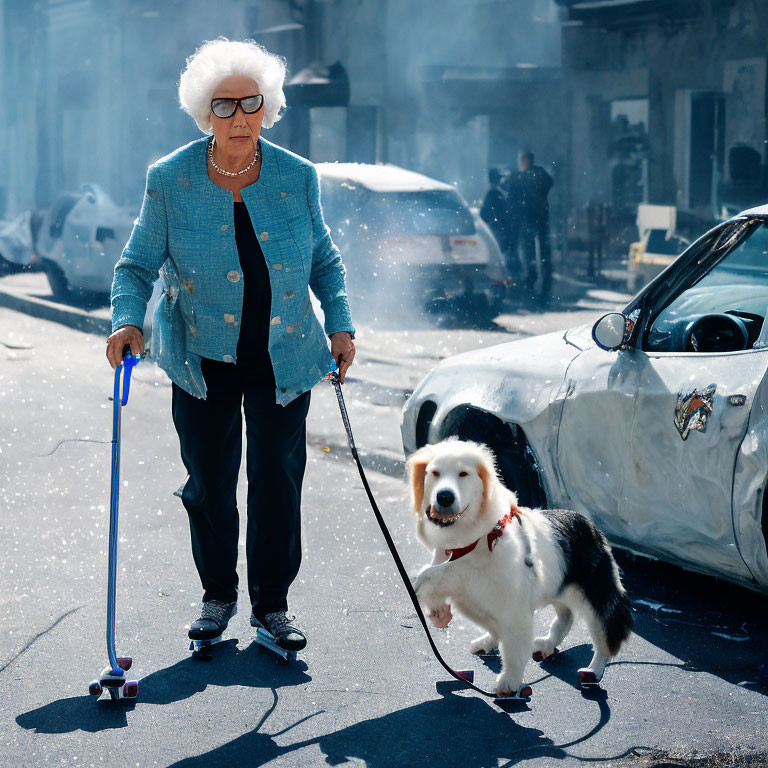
[16, 249]
[659, 244]
[408, 240]
[654, 421]
[80, 239]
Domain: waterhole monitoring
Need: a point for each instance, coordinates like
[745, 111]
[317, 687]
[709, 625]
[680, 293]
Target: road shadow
[228, 667]
[708, 624]
[425, 734]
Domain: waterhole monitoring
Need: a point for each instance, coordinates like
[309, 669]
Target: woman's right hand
[126, 334]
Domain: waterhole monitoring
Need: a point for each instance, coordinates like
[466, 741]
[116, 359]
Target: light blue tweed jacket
[186, 232]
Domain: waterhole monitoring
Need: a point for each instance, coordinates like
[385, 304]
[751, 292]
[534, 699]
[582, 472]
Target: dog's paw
[588, 676]
[523, 694]
[483, 644]
[542, 649]
[506, 685]
[441, 617]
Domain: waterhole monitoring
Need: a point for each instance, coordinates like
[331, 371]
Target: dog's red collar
[492, 537]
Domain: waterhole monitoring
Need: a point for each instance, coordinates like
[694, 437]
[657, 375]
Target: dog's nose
[445, 498]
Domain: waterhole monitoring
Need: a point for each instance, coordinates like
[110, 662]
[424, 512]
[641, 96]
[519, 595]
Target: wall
[718, 54]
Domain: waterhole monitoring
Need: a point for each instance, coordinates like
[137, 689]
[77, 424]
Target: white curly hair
[217, 59]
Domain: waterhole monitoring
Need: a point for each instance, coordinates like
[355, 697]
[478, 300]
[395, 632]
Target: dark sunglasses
[227, 107]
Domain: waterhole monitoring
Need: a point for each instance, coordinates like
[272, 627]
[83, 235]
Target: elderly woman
[234, 224]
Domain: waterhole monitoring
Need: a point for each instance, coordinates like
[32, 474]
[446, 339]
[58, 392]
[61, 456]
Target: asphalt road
[692, 680]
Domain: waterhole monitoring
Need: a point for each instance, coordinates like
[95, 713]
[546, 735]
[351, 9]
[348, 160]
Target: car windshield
[736, 285]
[396, 214]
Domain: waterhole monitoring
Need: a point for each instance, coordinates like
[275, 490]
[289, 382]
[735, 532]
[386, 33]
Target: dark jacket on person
[494, 212]
[527, 194]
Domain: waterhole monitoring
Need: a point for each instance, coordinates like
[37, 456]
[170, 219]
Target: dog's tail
[610, 601]
[589, 565]
[619, 623]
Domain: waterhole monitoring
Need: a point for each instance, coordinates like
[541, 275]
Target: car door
[690, 417]
[695, 391]
[692, 394]
[594, 433]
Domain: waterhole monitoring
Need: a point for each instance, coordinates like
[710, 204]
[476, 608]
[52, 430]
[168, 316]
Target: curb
[72, 317]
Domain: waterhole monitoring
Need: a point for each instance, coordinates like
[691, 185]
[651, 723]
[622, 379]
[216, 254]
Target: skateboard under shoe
[265, 640]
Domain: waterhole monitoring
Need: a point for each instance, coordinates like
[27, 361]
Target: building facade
[667, 103]
[444, 87]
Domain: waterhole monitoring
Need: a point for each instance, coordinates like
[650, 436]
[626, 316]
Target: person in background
[494, 209]
[528, 211]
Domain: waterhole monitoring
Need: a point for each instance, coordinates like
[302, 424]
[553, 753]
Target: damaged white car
[654, 422]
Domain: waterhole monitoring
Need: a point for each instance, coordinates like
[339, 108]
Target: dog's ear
[487, 472]
[416, 466]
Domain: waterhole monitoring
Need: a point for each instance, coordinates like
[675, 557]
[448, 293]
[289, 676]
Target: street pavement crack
[34, 639]
[16, 346]
[74, 440]
[376, 462]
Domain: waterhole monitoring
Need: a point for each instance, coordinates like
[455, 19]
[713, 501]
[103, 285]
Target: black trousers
[210, 438]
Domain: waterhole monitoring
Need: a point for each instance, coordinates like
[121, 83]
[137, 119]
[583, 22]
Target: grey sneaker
[279, 625]
[213, 620]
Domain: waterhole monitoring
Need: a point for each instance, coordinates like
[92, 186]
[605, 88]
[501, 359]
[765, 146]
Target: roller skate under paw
[540, 656]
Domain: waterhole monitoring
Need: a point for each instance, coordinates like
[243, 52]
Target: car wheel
[57, 279]
[496, 298]
[514, 456]
[9, 267]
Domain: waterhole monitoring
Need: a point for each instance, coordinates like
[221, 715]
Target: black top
[253, 361]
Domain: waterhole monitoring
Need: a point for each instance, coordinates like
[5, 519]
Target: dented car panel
[666, 449]
[498, 381]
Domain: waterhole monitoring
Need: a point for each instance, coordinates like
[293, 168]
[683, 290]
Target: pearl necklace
[231, 173]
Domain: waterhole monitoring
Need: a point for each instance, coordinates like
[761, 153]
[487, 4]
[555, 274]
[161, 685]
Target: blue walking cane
[112, 678]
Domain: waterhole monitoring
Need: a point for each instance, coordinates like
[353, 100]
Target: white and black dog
[497, 563]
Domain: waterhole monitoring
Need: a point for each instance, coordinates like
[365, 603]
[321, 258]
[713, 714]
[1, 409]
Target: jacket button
[233, 276]
[224, 227]
[264, 235]
[228, 359]
[229, 318]
[277, 266]
[282, 194]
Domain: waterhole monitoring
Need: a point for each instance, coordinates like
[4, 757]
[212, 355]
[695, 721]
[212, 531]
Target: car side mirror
[610, 331]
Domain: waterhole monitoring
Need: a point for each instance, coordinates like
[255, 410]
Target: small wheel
[124, 662]
[587, 677]
[95, 688]
[60, 287]
[131, 689]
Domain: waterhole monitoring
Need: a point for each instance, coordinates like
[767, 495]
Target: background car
[16, 248]
[659, 244]
[409, 242]
[80, 239]
[659, 432]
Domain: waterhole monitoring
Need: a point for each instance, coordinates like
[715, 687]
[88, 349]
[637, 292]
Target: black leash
[334, 378]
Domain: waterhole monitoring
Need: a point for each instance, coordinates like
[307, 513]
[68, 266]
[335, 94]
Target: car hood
[515, 381]
[580, 337]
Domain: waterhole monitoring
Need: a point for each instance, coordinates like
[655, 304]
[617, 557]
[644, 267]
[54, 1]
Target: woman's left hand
[343, 351]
